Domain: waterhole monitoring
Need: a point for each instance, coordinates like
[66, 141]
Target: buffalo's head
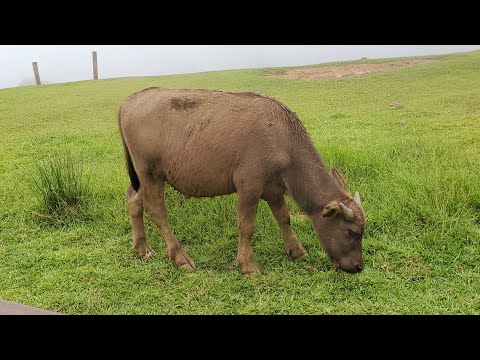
[340, 225]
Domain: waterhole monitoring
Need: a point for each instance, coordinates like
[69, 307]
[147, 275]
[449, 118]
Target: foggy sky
[64, 63]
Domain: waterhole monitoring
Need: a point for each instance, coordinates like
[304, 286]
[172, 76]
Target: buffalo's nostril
[360, 267]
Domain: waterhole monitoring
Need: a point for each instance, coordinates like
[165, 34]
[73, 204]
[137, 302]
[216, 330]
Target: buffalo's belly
[200, 181]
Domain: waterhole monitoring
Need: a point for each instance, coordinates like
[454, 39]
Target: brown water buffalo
[209, 143]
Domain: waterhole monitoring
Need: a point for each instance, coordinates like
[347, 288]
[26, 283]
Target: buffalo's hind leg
[135, 208]
[154, 199]
[246, 216]
[292, 245]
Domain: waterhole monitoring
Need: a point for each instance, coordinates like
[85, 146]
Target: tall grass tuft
[61, 185]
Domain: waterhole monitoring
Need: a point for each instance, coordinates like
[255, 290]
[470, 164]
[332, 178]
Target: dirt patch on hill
[346, 70]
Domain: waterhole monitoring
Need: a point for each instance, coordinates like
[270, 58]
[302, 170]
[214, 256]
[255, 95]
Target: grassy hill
[416, 165]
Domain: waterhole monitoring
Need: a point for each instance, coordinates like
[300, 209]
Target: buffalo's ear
[338, 178]
[330, 209]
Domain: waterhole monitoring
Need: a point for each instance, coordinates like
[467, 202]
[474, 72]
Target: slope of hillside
[408, 139]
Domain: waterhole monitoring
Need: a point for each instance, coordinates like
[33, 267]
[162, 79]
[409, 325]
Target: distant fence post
[35, 72]
[95, 67]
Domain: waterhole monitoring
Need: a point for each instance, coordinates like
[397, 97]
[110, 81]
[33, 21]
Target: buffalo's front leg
[135, 209]
[279, 208]
[246, 214]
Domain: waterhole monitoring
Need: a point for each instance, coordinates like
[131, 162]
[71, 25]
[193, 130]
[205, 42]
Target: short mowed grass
[415, 164]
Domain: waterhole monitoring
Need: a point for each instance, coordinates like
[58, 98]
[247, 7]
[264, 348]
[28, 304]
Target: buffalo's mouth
[351, 269]
[336, 265]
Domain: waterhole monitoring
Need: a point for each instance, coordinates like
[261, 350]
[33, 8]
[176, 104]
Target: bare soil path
[346, 70]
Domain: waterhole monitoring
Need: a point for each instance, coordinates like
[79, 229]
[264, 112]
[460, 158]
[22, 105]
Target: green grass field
[417, 168]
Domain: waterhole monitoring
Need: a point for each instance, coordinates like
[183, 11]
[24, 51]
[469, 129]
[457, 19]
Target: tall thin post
[95, 66]
[35, 72]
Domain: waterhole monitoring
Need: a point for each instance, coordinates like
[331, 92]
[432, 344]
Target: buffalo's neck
[309, 182]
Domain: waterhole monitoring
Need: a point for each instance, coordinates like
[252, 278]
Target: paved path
[11, 308]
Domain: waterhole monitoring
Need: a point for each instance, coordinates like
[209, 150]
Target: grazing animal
[210, 143]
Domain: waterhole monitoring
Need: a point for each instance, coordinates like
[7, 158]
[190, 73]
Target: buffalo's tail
[130, 168]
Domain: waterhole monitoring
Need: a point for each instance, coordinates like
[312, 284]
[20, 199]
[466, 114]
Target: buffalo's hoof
[145, 251]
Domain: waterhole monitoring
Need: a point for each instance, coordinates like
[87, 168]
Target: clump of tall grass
[61, 186]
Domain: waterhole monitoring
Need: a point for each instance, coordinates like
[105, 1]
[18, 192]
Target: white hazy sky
[64, 63]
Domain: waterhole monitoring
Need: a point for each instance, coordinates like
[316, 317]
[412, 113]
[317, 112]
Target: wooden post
[35, 72]
[95, 66]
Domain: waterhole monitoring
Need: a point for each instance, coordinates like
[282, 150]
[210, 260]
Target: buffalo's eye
[354, 234]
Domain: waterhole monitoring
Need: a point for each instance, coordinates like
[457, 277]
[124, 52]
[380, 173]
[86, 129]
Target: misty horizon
[69, 63]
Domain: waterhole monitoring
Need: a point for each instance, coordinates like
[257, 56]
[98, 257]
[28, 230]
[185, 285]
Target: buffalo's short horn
[356, 197]
[347, 212]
